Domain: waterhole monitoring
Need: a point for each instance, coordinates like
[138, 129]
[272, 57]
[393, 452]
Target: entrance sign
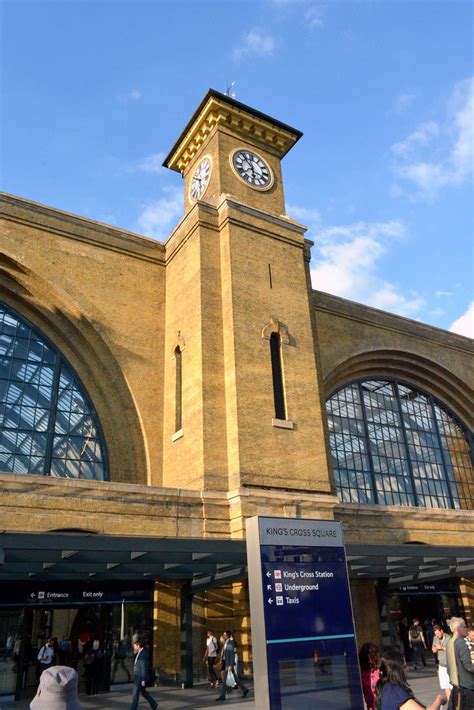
[24, 594]
[303, 640]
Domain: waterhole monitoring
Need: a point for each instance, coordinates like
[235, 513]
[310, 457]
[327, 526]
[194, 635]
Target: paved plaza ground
[423, 682]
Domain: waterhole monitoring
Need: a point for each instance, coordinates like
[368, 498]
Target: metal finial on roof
[229, 92]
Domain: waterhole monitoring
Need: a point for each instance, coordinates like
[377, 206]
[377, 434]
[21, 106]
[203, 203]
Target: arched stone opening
[418, 371]
[81, 341]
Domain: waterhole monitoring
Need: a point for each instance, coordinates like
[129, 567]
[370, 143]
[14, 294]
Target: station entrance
[77, 617]
[105, 588]
[100, 588]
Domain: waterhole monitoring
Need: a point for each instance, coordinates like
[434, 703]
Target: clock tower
[239, 311]
[230, 149]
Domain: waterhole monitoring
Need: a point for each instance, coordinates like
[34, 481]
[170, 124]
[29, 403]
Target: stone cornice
[404, 512]
[292, 497]
[201, 214]
[217, 109]
[284, 222]
[22, 211]
[356, 311]
[30, 484]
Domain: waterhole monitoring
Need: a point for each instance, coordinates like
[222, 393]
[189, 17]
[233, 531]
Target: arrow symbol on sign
[270, 601]
[32, 595]
[269, 587]
[269, 574]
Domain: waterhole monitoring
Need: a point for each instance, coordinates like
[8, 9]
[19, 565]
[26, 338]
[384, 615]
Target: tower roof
[218, 108]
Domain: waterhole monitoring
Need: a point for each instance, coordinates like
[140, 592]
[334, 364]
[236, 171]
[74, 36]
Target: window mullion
[52, 415]
[443, 457]
[405, 441]
[367, 437]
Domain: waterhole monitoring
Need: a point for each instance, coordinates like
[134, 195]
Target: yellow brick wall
[98, 294]
[260, 454]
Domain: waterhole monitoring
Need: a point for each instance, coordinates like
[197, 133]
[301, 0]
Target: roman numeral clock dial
[252, 169]
[200, 179]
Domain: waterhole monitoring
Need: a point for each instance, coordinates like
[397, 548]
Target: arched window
[394, 445]
[47, 423]
[178, 356]
[277, 375]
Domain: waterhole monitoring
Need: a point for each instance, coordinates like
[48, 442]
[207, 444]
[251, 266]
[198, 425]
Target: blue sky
[94, 94]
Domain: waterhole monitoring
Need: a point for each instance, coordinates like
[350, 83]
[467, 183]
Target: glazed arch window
[277, 376]
[48, 425]
[393, 444]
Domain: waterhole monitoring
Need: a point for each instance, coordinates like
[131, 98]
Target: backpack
[89, 658]
[415, 632]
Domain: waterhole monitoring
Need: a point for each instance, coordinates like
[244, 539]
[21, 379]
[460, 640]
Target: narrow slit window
[277, 375]
[179, 390]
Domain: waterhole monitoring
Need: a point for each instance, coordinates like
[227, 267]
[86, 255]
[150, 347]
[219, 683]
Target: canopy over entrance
[79, 556]
[203, 563]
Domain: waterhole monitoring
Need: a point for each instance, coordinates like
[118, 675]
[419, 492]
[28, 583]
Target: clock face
[252, 169]
[200, 179]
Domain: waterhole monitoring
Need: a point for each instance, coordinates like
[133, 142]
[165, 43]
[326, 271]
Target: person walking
[91, 668]
[459, 664]
[210, 658]
[417, 643]
[369, 661]
[45, 657]
[439, 645]
[470, 641]
[392, 691]
[63, 651]
[229, 659]
[451, 661]
[465, 667]
[141, 675]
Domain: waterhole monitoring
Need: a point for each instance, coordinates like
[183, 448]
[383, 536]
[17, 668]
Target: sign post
[303, 640]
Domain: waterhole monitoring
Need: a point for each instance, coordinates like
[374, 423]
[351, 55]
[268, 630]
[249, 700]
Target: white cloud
[304, 214]
[255, 43]
[152, 163]
[422, 136]
[443, 294]
[314, 16]
[159, 217]
[133, 95]
[464, 325]
[453, 150]
[348, 263]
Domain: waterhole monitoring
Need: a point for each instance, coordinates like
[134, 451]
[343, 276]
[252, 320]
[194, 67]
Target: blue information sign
[305, 647]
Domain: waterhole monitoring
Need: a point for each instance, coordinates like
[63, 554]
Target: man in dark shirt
[417, 643]
[140, 676]
[229, 656]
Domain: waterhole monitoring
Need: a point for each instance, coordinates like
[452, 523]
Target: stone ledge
[403, 512]
[81, 229]
[28, 484]
[357, 311]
